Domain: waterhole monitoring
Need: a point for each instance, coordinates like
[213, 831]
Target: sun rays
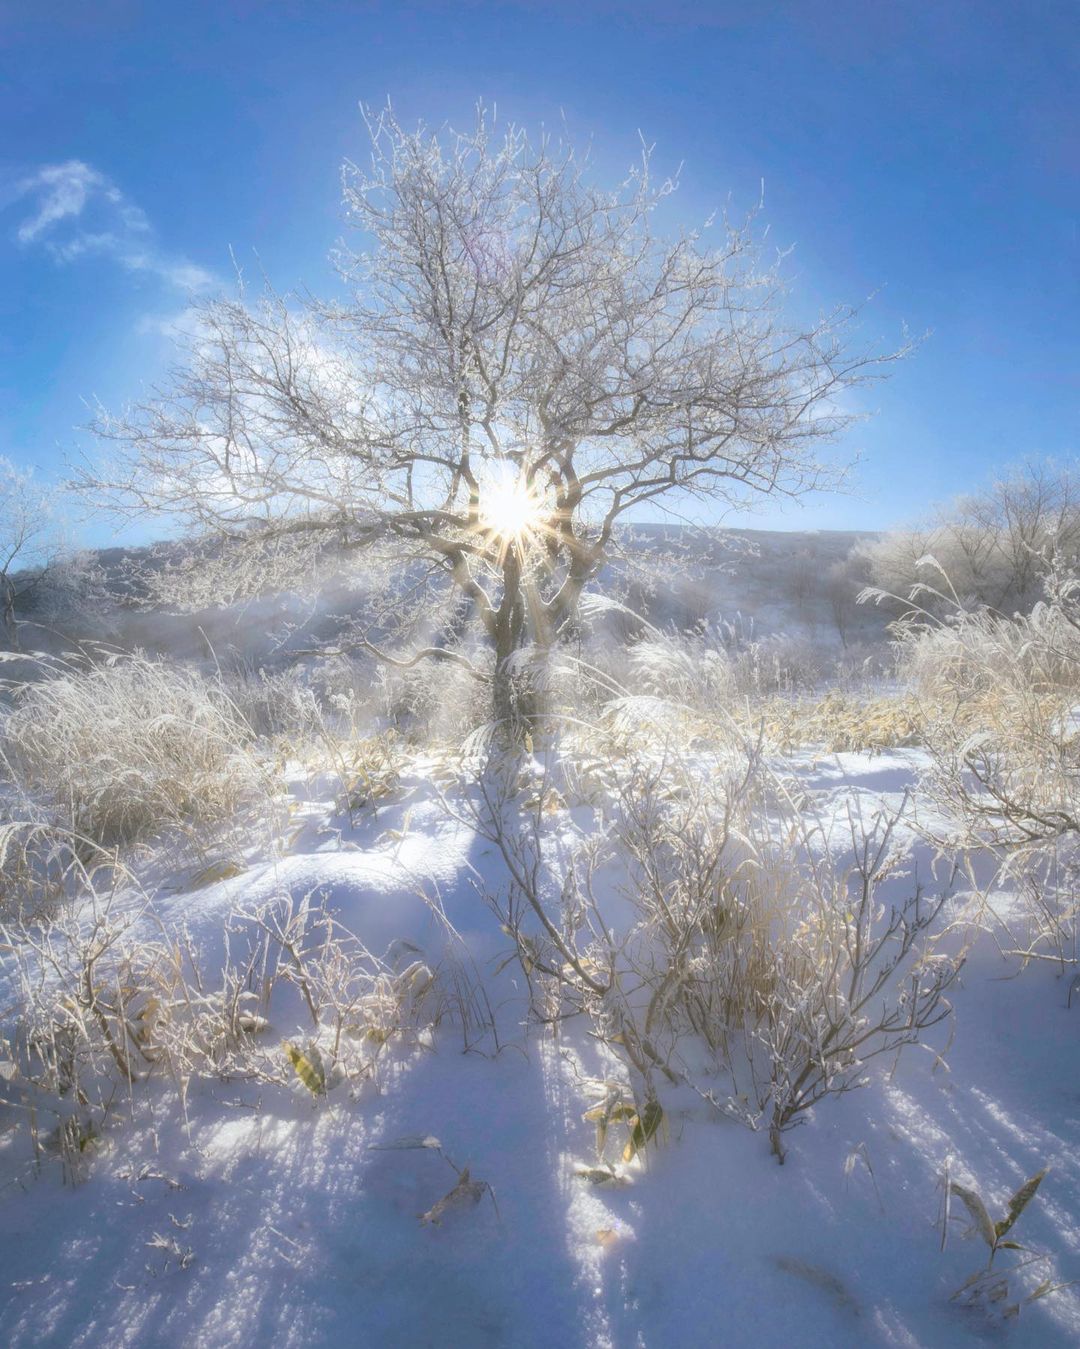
[511, 512]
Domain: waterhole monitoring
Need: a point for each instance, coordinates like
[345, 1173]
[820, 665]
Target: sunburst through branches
[511, 510]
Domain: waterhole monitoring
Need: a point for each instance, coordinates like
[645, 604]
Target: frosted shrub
[434, 701]
[779, 664]
[128, 747]
[994, 546]
[999, 700]
[789, 968]
[274, 703]
[842, 722]
[855, 979]
[741, 963]
[714, 665]
[106, 1001]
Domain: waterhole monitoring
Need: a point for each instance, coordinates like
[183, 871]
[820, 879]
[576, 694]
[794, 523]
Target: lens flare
[509, 508]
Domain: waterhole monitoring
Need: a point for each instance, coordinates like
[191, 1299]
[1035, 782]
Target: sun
[509, 508]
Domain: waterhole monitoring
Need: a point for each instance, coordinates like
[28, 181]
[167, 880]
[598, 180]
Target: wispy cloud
[176, 325]
[74, 211]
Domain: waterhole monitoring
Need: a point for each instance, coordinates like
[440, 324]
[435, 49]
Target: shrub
[735, 944]
[997, 703]
[104, 999]
[690, 668]
[433, 701]
[273, 703]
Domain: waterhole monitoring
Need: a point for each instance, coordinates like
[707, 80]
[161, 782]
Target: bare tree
[994, 546]
[521, 359]
[30, 551]
[1032, 517]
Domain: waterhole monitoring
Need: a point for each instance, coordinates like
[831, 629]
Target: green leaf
[1020, 1201]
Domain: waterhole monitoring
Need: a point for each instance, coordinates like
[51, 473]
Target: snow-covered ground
[270, 1217]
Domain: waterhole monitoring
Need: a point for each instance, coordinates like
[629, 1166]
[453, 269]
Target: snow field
[268, 1215]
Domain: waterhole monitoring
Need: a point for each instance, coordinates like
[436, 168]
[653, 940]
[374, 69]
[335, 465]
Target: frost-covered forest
[447, 898]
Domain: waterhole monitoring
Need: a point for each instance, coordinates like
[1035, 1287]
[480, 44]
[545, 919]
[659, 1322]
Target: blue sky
[924, 152]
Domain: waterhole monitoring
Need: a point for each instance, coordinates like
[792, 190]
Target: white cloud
[187, 275]
[181, 324]
[75, 211]
[61, 190]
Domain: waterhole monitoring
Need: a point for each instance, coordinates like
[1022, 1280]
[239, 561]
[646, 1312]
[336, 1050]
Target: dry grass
[842, 721]
[998, 701]
[127, 747]
[106, 1004]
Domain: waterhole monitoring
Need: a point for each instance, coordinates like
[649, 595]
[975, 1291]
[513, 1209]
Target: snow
[270, 1217]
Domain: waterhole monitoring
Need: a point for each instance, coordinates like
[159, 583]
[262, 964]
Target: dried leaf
[603, 1114]
[819, 1278]
[409, 1141]
[1020, 1201]
[977, 1209]
[224, 870]
[465, 1193]
[600, 1175]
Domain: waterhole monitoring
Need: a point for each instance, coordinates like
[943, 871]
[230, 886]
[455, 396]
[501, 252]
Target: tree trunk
[510, 634]
[521, 620]
[7, 613]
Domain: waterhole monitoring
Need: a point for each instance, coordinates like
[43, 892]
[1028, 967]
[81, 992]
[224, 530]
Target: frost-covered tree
[521, 358]
[992, 547]
[30, 549]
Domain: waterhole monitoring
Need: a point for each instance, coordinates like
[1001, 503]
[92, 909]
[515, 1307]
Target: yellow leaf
[309, 1068]
[217, 871]
[642, 1128]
